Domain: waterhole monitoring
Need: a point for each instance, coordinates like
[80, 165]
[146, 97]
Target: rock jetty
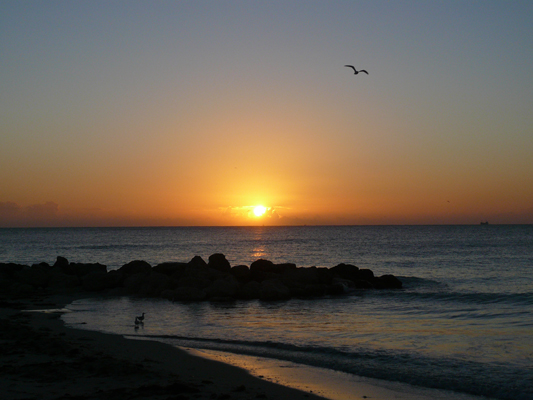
[195, 280]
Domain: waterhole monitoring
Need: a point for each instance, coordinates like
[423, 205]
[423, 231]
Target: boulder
[96, 281]
[22, 290]
[61, 262]
[223, 287]
[346, 271]
[197, 261]
[346, 283]
[365, 274]
[82, 269]
[325, 275]
[300, 276]
[8, 270]
[168, 294]
[309, 290]
[153, 284]
[336, 289]
[363, 284]
[387, 282]
[218, 262]
[197, 268]
[34, 276]
[274, 289]
[241, 272]
[249, 290]
[261, 269]
[194, 282]
[116, 277]
[135, 267]
[171, 268]
[134, 282]
[59, 281]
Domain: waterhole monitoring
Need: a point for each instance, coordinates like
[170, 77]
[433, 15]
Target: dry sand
[42, 359]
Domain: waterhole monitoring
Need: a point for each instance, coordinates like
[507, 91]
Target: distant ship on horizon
[484, 223]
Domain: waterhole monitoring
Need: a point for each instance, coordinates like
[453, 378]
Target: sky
[182, 113]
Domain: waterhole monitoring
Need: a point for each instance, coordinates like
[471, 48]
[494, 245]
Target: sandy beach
[41, 358]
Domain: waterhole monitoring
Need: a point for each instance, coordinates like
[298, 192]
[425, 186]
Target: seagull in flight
[356, 71]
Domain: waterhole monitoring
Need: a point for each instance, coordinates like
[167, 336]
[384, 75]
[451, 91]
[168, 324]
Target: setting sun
[259, 211]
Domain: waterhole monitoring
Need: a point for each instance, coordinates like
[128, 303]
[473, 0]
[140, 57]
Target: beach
[41, 358]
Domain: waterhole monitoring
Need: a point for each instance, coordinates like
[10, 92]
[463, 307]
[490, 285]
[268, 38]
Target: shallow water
[463, 321]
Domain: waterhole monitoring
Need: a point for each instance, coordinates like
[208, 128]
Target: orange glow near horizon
[236, 115]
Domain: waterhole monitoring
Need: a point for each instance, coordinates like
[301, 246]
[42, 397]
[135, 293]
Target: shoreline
[90, 364]
[330, 384]
[43, 359]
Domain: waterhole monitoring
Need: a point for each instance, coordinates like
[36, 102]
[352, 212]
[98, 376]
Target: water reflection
[259, 248]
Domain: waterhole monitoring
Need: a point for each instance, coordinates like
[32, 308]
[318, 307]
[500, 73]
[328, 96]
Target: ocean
[462, 322]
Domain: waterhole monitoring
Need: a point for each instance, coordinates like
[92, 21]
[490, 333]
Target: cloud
[47, 210]
[8, 209]
[14, 215]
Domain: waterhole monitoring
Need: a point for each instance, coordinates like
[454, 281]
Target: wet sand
[41, 358]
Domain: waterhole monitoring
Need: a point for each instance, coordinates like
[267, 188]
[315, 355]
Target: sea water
[462, 322]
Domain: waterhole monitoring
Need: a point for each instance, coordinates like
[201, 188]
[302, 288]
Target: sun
[259, 211]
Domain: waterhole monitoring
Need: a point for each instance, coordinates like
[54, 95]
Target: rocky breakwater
[195, 280]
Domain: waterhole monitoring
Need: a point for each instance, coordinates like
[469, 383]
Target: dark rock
[96, 281]
[135, 267]
[269, 266]
[34, 276]
[116, 277]
[59, 281]
[241, 272]
[365, 274]
[168, 294]
[22, 290]
[336, 288]
[218, 261]
[325, 275]
[42, 266]
[387, 282]
[194, 282]
[249, 290]
[61, 262]
[153, 284]
[134, 282]
[223, 287]
[346, 283]
[261, 270]
[274, 289]
[174, 269]
[346, 271]
[299, 276]
[197, 261]
[309, 290]
[8, 270]
[363, 284]
[84, 269]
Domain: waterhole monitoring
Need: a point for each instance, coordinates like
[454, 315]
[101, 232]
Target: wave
[431, 290]
[120, 246]
[495, 380]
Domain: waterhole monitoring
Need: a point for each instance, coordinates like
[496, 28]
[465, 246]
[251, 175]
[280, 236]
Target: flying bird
[141, 318]
[356, 71]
